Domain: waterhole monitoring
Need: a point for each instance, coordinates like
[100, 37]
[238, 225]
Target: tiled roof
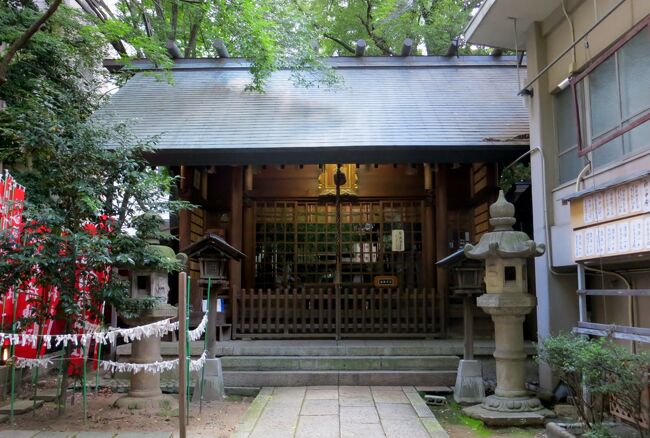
[395, 109]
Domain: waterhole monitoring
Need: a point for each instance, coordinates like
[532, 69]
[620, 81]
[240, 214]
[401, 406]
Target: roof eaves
[477, 19]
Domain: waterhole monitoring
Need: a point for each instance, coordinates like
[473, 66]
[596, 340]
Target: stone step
[317, 378]
[339, 363]
[324, 347]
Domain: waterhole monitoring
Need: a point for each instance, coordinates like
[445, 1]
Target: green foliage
[271, 34]
[384, 24]
[76, 172]
[604, 369]
[518, 172]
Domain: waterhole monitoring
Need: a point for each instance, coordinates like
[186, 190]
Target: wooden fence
[295, 313]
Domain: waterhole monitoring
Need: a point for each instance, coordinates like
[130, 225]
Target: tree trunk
[24, 39]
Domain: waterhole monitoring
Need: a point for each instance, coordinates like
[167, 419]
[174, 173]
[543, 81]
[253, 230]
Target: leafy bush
[596, 370]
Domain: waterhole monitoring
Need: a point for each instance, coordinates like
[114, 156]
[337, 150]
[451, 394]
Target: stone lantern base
[144, 389]
[509, 411]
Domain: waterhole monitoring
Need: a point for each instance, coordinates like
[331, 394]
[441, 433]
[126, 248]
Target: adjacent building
[587, 89]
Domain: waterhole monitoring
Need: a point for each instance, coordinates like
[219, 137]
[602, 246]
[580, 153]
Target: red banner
[12, 197]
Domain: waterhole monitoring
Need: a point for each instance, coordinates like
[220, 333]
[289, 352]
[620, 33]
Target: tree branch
[341, 43]
[24, 39]
[379, 41]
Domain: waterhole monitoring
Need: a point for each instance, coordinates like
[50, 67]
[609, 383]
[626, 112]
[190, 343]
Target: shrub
[596, 370]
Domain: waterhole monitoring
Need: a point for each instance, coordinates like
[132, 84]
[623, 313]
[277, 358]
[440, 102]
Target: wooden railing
[287, 313]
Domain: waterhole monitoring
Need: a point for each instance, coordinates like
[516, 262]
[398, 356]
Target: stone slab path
[339, 412]
[49, 434]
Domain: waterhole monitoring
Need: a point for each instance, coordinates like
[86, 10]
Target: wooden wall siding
[290, 313]
[384, 181]
[197, 220]
[483, 182]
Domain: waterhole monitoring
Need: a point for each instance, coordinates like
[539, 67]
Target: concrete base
[213, 387]
[164, 402]
[469, 386]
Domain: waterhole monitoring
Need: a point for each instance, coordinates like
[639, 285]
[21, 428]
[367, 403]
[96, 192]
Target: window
[570, 162]
[614, 112]
[612, 99]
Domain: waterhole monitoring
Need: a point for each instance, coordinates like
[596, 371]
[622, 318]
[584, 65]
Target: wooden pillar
[428, 253]
[442, 248]
[235, 235]
[248, 239]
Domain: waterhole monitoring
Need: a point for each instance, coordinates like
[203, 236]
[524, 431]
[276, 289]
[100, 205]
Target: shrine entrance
[380, 250]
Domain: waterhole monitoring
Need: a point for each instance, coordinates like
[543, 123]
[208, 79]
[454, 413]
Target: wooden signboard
[612, 222]
[385, 281]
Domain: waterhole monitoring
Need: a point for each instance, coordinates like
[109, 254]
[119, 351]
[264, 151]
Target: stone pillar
[144, 389]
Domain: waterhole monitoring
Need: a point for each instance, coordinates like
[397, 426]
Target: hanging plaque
[397, 240]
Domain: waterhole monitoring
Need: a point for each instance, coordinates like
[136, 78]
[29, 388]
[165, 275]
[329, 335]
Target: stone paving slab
[21, 406]
[339, 412]
[51, 434]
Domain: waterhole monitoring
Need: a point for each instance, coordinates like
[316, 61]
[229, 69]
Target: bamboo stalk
[13, 361]
[188, 350]
[182, 340]
[99, 350]
[84, 389]
[205, 346]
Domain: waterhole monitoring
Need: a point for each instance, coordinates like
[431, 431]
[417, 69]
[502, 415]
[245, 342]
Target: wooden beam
[615, 292]
[248, 246]
[407, 47]
[235, 233]
[453, 48]
[625, 333]
[442, 248]
[221, 48]
[360, 48]
[428, 177]
[428, 233]
[249, 178]
[173, 50]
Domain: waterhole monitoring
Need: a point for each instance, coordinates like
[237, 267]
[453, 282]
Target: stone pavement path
[48, 434]
[339, 412]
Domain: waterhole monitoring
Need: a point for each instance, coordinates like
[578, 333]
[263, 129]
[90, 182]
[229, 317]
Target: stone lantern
[144, 389]
[213, 254]
[467, 283]
[506, 252]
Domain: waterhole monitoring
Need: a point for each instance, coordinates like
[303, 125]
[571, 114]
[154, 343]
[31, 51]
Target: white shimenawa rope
[24, 362]
[120, 367]
[195, 334]
[158, 329]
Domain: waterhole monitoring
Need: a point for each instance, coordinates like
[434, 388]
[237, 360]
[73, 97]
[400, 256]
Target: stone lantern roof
[503, 241]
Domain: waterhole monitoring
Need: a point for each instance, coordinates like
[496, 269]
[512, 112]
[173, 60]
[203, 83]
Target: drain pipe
[582, 174]
[547, 226]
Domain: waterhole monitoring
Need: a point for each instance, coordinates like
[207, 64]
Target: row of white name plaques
[621, 201]
[625, 236]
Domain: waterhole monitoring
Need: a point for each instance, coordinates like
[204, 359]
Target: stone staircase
[251, 364]
[304, 363]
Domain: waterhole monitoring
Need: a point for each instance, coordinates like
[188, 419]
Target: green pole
[85, 389]
[39, 346]
[59, 384]
[99, 351]
[12, 352]
[205, 346]
[4, 310]
[188, 349]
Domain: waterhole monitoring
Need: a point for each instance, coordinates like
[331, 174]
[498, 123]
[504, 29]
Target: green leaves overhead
[384, 24]
[271, 34]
